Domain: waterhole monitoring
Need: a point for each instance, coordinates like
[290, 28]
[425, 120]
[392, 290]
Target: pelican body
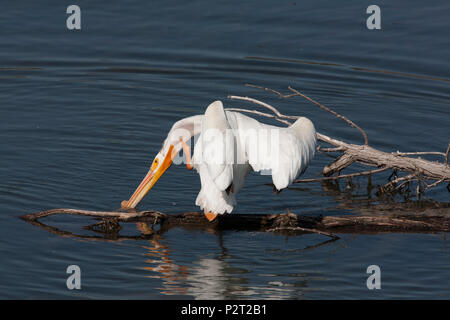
[229, 145]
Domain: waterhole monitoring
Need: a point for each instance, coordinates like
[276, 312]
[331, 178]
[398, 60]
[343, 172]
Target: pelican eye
[155, 164]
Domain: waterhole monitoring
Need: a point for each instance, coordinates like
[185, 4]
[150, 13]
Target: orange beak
[149, 181]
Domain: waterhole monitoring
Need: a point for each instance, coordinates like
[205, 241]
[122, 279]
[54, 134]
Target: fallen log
[286, 223]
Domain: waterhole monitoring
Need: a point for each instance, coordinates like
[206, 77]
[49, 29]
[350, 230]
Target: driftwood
[416, 169]
[285, 223]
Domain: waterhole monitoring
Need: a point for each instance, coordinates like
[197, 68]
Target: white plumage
[247, 147]
[229, 145]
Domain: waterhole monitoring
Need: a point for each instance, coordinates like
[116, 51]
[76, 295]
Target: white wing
[297, 148]
[282, 152]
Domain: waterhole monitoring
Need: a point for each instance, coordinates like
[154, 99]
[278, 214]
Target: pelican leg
[187, 152]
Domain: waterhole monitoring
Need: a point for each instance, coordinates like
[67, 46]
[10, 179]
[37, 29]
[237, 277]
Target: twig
[351, 123]
[398, 153]
[297, 93]
[265, 105]
[434, 184]
[304, 230]
[391, 183]
[271, 90]
[337, 149]
[263, 114]
[446, 153]
[351, 175]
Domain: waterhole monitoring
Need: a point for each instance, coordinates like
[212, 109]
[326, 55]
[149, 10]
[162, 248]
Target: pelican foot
[210, 216]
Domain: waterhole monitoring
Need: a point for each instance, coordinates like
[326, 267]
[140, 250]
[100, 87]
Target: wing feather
[217, 146]
[282, 152]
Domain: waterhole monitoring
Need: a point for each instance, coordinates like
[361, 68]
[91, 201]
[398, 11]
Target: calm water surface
[83, 113]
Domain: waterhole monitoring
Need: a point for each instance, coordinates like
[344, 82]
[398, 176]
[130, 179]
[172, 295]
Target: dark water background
[83, 113]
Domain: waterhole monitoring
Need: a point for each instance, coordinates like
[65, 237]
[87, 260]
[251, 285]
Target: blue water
[84, 112]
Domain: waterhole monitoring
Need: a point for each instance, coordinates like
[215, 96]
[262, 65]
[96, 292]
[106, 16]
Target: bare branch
[342, 176]
[263, 114]
[393, 182]
[271, 90]
[265, 105]
[337, 149]
[434, 184]
[351, 123]
[304, 230]
[297, 93]
[339, 164]
[446, 153]
[398, 153]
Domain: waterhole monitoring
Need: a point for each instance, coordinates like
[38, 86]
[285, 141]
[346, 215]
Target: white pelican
[228, 146]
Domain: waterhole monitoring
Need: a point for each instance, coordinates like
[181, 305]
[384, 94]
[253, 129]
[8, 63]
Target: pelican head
[181, 132]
